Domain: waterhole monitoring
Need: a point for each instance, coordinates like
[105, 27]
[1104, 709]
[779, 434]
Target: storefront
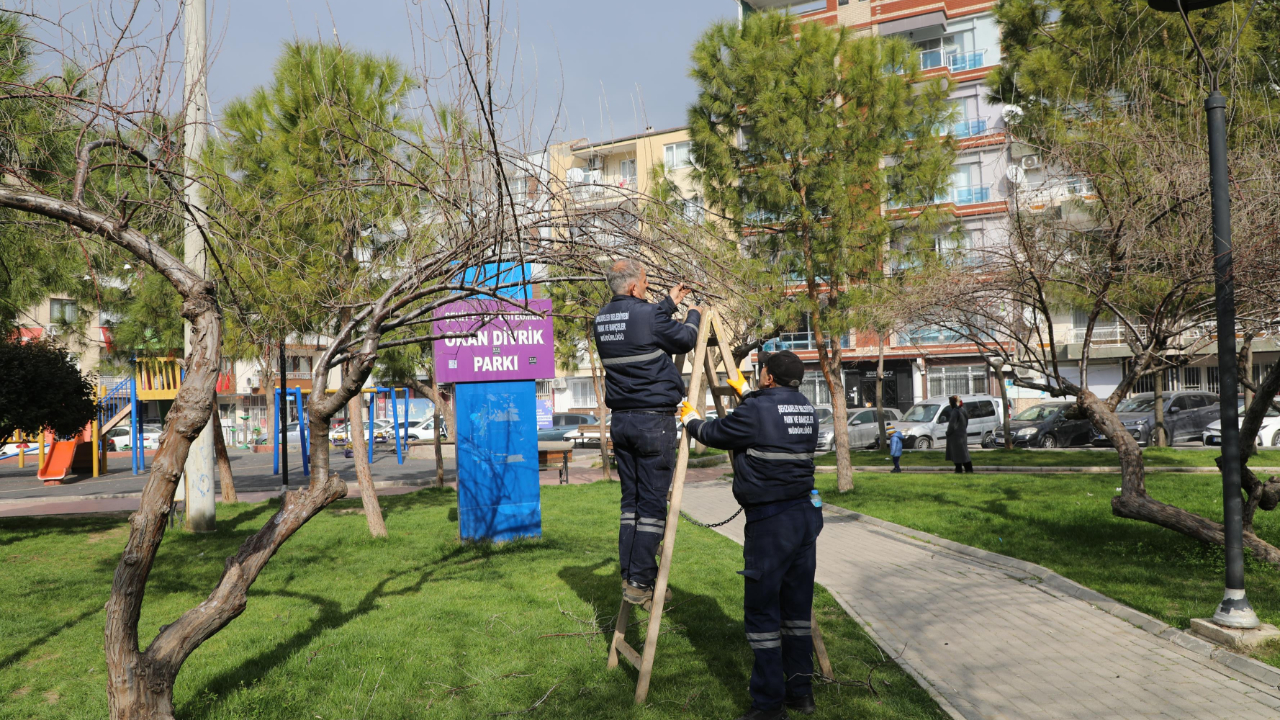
[860, 384]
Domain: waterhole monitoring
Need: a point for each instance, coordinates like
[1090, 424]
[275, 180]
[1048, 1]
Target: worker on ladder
[774, 435]
[643, 388]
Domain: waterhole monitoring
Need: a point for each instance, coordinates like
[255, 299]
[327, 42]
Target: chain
[685, 515]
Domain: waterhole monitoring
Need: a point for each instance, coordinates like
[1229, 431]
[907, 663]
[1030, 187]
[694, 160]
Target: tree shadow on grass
[331, 616]
[48, 635]
[715, 636]
[19, 529]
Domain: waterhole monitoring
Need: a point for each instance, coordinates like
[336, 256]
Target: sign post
[494, 367]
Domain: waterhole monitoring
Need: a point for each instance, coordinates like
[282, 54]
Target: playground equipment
[303, 432]
[396, 430]
[152, 379]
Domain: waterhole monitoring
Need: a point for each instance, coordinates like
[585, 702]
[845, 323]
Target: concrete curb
[1054, 583]
[1024, 470]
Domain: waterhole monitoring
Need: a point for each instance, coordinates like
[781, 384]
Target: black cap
[786, 368]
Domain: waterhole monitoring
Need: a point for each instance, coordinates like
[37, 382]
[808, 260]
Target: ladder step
[626, 651]
[723, 391]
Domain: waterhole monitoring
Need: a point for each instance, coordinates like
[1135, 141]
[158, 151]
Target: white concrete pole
[200, 461]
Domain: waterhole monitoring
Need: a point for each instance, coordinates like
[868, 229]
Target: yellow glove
[687, 412]
[739, 385]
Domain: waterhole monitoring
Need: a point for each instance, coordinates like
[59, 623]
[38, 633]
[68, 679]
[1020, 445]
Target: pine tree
[800, 134]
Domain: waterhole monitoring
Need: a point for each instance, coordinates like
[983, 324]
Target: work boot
[803, 704]
[666, 600]
[641, 595]
[758, 714]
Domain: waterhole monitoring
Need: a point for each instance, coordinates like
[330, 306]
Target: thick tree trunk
[601, 410]
[833, 372]
[884, 434]
[225, 478]
[1134, 503]
[1006, 412]
[364, 476]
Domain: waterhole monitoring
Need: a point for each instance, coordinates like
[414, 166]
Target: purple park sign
[504, 346]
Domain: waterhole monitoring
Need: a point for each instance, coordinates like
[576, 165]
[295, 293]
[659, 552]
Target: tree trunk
[1006, 412]
[364, 476]
[225, 478]
[601, 410]
[884, 435]
[1134, 503]
[1158, 434]
[834, 374]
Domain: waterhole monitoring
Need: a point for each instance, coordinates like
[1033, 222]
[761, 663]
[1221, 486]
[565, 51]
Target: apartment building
[958, 40]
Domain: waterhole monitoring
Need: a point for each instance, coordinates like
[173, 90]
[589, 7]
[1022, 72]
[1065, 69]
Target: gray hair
[622, 275]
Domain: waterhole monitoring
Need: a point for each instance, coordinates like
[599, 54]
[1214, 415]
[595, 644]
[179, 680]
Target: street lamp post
[1234, 611]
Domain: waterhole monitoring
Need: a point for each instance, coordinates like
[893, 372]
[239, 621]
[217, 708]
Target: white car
[424, 430]
[1268, 433]
[120, 437]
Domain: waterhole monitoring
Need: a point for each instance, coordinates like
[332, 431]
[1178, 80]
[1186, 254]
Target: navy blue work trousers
[644, 445]
[781, 558]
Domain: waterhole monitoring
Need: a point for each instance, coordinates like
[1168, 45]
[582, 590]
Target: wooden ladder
[704, 369]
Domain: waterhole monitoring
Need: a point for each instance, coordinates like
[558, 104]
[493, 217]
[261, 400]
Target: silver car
[863, 430]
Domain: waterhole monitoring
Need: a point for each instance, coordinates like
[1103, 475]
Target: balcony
[971, 195]
[969, 128]
[955, 62]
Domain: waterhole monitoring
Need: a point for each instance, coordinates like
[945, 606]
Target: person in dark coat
[958, 436]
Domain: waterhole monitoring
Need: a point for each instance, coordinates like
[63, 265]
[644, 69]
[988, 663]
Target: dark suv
[1048, 425]
[1186, 415]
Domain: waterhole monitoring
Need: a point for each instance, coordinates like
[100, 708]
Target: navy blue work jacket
[636, 339]
[774, 434]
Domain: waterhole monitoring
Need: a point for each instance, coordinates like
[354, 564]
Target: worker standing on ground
[643, 388]
[774, 435]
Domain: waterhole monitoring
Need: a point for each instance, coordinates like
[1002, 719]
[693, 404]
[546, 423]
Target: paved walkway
[990, 642]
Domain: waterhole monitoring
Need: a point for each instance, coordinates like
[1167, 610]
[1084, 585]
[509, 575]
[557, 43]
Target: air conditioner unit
[1024, 372]
[559, 383]
[595, 162]
[1030, 162]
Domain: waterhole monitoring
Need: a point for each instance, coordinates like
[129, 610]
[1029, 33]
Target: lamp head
[1187, 5]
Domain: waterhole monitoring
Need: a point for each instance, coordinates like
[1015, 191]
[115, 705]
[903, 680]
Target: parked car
[381, 430]
[924, 426]
[564, 423]
[120, 437]
[422, 430]
[1268, 433]
[863, 429]
[1187, 413]
[1048, 425]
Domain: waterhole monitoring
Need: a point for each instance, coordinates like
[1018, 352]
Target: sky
[616, 67]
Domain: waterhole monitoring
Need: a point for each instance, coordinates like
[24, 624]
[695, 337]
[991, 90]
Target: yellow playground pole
[41, 446]
[22, 452]
[95, 448]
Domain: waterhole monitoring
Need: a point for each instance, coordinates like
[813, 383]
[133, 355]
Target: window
[693, 210]
[967, 122]
[982, 409]
[298, 364]
[627, 169]
[1213, 378]
[584, 392]
[957, 380]
[928, 335]
[866, 416]
[1181, 403]
[1191, 378]
[814, 387]
[677, 155]
[63, 311]
[543, 389]
[966, 184]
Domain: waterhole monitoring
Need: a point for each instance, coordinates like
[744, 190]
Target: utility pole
[199, 467]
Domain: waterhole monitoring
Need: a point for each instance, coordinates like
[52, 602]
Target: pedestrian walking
[895, 448]
[958, 436]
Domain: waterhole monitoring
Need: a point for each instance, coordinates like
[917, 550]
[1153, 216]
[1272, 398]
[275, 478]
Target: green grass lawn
[341, 626]
[1154, 457]
[1064, 522]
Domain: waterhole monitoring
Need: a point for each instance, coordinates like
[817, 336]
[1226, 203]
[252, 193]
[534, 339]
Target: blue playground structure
[395, 419]
[304, 433]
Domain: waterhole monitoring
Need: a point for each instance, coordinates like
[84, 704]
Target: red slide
[58, 461]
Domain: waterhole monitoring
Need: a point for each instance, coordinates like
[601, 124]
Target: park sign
[495, 340]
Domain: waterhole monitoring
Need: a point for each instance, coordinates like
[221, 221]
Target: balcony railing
[969, 128]
[971, 195]
[956, 62]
